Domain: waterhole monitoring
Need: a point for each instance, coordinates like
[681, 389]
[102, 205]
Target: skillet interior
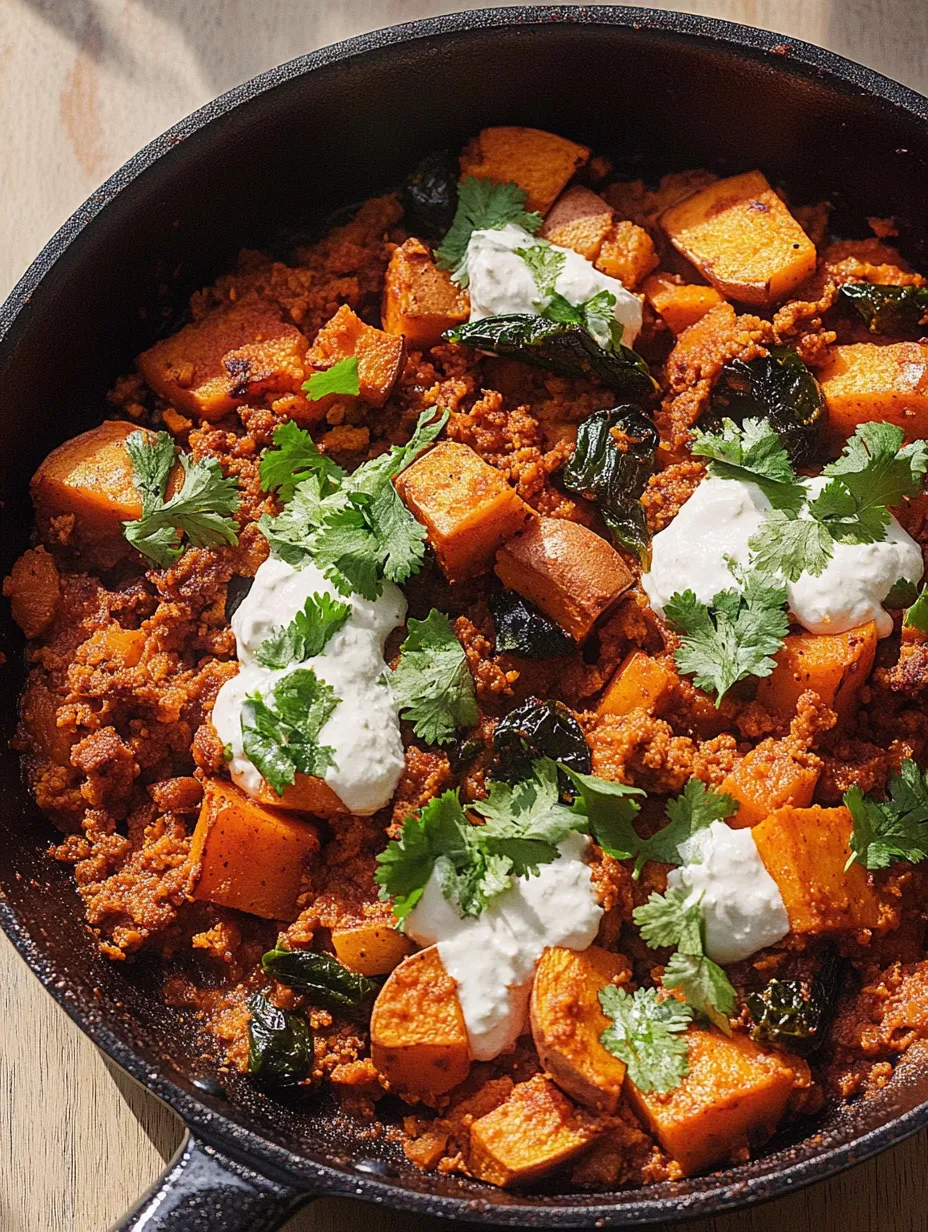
[658, 92]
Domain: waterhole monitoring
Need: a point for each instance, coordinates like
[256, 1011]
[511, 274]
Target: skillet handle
[204, 1190]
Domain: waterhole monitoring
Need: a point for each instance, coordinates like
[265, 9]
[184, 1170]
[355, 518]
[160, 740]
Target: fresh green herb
[281, 739]
[886, 309]
[674, 919]
[307, 633]
[790, 546]
[753, 453]
[614, 477]
[341, 378]
[902, 594]
[732, 638]
[694, 810]
[546, 264]
[521, 629]
[483, 205]
[322, 977]
[539, 729]
[916, 616]
[280, 1044]
[596, 315]
[295, 458]
[430, 195]
[608, 810]
[201, 509]
[227, 752]
[432, 683]
[646, 1035]
[886, 831]
[794, 1014]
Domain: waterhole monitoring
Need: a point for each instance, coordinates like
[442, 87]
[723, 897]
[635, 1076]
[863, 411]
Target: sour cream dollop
[493, 957]
[714, 526]
[501, 282]
[363, 730]
[741, 905]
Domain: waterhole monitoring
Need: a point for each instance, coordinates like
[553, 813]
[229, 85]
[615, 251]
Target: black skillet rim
[800, 58]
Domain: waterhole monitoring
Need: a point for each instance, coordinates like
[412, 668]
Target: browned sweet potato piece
[39, 711]
[114, 644]
[419, 300]
[371, 949]
[248, 856]
[467, 506]
[237, 351]
[535, 1131]
[537, 161]
[740, 235]
[641, 682]
[418, 1038]
[836, 666]
[733, 1097]
[680, 304]
[866, 381]
[771, 775]
[627, 253]
[381, 357]
[805, 851]
[567, 1021]
[306, 794]
[567, 570]
[580, 219]
[33, 589]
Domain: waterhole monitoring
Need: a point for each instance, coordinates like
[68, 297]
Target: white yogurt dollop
[501, 282]
[741, 904]
[493, 956]
[363, 730]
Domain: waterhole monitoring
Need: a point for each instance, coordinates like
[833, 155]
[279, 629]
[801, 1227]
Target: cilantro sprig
[432, 684]
[887, 831]
[306, 635]
[281, 737]
[483, 205]
[916, 617]
[646, 1035]
[341, 378]
[693, 810]
[201, 510]
[752, 453]
[595, 314]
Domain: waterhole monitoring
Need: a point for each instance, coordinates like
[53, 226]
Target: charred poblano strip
[562, 347]
[323, 978]
[430, 195]
[539, 729]
[610, 466]
[522, 630]
[901, 311]
[795, 1014]
[280, 1044]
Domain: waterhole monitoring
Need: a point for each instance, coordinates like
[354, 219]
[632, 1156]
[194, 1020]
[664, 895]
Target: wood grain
[83, 84]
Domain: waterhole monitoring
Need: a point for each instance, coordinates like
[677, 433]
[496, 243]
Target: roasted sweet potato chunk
[418, 1038]
[771, 775]
[39, 712]
[537, 161]
[641, 682]
[740, 235]
[805, 851]
[867, 382]
[567, 1021]
[381, 357]
[248, 856]
[235, 352]
[580, 219]
[306, 794]
[627, 253]
[535, 1131]
[680, 304]
[836, 666]
[467, 506]
[567, 570]
[33, 589]
[419, 300]
[370, 948]
[733, 1097]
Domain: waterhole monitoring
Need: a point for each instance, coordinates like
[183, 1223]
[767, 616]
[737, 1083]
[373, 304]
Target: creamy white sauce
[364, 729]
[493, 957]
[714, 526]
[501, 282]
[741, 904]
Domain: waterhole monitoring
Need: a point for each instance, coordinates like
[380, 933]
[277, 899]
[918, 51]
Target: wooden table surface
[83, 84]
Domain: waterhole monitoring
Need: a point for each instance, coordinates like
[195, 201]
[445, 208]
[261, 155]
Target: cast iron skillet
[658, 91]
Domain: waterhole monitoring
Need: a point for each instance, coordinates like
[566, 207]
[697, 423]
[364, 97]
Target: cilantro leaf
[524, 821]
[307, 633]
[281, 738]
[877, 469]
[916, 616]
[645, 1034]
[294, 458]
[734, 637]
[341, 378]
[595, 315]
[891, 830]
[151, 460]
[404, 867]
[693, 810]
[432, 684]
[753, 453]
[546, 265]
[483, 205]
[608, 810]
[902, 595]
[790, 546]
[671, 919]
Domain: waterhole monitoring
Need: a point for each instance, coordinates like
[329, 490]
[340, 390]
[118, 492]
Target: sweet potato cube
[381, 357]
[680, 304]
[248, 856]
[834, 665]
[805, 851]
[567, 1021]
[740, 235]
[733, 1097]
[537, 161]
[641, 682]
[419, 300]
[627, 253]
[235, 352]
[33, 589]
[771, 775]
[418, 1037]
[306, 794]
[371, 949]
[567, 570]
[535, 1131]
[38, 709]
[467, 506]
[580, 219]
[867, 382]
